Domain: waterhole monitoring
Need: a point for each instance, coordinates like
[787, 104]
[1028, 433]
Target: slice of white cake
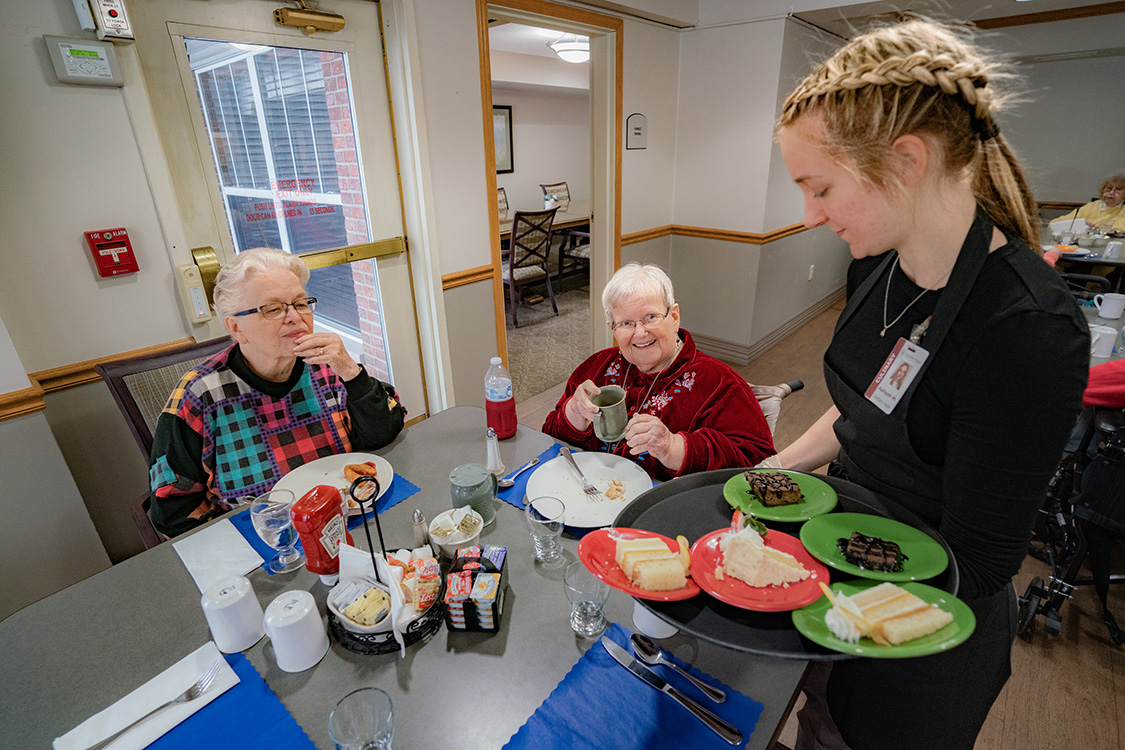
[747, 558]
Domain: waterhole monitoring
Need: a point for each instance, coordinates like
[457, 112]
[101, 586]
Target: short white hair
[637, 281]
[229, 281]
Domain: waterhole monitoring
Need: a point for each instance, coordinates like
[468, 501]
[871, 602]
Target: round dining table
[72, 654]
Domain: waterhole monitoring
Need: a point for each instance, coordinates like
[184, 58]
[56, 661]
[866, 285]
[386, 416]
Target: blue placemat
[247, 716]
[401, 488]
[600, 705]
[514, 494]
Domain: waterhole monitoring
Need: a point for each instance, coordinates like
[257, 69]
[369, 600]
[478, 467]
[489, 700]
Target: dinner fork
[187, 696]
[589, 489]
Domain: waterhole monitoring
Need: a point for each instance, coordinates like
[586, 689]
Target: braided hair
[918, 77]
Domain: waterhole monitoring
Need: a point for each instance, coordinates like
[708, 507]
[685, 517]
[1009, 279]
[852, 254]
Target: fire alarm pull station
[113, 255]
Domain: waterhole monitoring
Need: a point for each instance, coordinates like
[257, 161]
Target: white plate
[330, 470]
[556, 479]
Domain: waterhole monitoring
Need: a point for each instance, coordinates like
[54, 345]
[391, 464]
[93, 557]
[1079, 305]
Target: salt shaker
[421, 530]
[495, 465]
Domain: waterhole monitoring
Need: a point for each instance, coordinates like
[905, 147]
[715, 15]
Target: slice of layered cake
[747, 558]
[649, 564]
[887, 614]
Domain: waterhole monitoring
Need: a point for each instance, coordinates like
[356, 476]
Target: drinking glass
[270, 514]
[363, 720]
[587, 594]
[544, 516]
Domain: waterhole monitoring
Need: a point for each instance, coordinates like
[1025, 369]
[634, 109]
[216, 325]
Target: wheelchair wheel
[1029, 605]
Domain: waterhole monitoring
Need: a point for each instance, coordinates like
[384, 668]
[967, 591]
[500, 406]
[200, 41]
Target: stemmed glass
[270, 514]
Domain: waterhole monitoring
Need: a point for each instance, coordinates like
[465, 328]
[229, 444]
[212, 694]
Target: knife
[625, 659]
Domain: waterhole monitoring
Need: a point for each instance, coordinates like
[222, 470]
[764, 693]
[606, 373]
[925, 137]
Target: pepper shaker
[421, 530]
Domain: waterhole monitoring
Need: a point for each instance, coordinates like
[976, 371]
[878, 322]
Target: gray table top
[72, 654]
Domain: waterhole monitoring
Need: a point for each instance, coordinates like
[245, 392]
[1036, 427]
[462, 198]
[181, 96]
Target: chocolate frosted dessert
[773, 488]
[872, 553]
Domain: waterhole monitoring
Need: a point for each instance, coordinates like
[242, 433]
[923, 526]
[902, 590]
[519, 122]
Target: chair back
[769, 399]
[559, 192]
[531, 237]
[141, 385]
[502, 203]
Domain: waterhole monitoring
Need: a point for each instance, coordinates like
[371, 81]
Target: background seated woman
[1107, 214]
[688, 411]
[282, 396]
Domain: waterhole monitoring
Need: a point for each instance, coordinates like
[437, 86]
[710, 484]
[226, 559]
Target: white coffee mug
[233, 614]
[1113, 249]
[1102, 339]
[296, 631]
[1110, 306]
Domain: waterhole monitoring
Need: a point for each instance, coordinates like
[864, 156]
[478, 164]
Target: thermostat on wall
[85, 62]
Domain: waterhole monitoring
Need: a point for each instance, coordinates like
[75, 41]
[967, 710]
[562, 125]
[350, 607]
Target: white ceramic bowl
[448, 547]
[1085, 241]
[382, 626]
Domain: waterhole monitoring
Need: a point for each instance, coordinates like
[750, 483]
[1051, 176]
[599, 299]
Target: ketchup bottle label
[333, 535]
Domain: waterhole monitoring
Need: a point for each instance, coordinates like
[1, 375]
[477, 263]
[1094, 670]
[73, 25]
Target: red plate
[597, 551]
[705, 555]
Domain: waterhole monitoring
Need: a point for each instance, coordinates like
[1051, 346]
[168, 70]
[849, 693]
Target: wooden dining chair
[502, 203]
[527, 263]
[140, 386]
[559, 192]
[574, 245]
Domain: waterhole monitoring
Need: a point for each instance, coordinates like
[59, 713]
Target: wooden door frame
[596, 23]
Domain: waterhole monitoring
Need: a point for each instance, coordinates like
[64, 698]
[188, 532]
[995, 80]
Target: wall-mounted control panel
[192, 293]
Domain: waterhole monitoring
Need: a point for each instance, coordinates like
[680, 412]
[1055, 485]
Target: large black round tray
[694, 506]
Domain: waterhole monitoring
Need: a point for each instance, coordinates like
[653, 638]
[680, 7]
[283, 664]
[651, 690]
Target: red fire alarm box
[113, 255]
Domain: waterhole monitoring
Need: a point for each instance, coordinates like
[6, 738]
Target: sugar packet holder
[474, 594]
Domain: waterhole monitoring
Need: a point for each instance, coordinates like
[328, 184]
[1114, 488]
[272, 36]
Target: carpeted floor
[545, 349]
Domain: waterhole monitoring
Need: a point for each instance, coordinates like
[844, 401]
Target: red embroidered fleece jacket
[697, 396]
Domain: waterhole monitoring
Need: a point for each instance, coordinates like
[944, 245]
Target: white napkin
[356, 563]
[164, 687]
[217, 551]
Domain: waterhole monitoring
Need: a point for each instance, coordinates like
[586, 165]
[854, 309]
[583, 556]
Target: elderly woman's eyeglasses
[276, 310]
[650, 321]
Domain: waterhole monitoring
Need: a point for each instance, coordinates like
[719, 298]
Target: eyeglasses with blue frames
[277, 310]
[650, 321]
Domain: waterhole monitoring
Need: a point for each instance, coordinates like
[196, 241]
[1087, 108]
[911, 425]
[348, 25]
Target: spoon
[510, 481]
[650, 654]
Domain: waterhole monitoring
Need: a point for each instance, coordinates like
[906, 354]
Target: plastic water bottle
[499, 404]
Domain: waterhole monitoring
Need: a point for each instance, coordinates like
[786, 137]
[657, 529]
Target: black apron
[937, 701]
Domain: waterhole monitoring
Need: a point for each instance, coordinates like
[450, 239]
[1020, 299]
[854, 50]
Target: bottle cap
[418, 517]
[496, 361]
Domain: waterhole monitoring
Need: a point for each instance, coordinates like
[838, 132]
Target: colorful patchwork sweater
[698, 397]
[226, 433]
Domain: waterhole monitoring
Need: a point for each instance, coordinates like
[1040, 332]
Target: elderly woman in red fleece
[688, 411]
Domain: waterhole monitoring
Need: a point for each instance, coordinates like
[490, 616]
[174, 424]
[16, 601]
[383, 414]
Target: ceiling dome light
[571, 47]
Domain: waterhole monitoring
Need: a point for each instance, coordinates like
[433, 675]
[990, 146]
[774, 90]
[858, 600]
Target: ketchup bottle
[499, 402]
[319, 518]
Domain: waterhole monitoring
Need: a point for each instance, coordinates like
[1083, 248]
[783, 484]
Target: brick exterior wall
[355, 218]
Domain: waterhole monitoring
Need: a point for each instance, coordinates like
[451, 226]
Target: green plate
[809, 621]
[925, 558]
[819, 497]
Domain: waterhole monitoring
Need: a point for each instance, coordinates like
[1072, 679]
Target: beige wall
[551, 143]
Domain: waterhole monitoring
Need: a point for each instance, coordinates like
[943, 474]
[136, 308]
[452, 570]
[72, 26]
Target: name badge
[895, 376]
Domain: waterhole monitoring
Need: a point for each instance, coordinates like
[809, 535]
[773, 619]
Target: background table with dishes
[71, 655]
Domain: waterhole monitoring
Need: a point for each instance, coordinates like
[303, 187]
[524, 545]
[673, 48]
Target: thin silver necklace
[887, 296]
[625, 380]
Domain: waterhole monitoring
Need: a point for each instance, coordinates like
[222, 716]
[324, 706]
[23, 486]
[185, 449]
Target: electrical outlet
[811, 271]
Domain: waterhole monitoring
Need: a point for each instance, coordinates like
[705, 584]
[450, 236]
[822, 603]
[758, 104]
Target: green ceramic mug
[612, 418]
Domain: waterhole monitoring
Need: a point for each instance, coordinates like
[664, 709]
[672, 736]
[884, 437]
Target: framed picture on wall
[502, 132]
